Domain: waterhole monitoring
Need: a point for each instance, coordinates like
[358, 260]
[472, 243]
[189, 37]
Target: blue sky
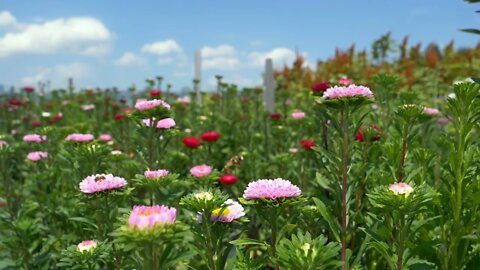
[118, 43]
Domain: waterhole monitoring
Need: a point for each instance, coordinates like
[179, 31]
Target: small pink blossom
[298, 115]
[87, 107]
[443, 120]
[150, 104]
[271, 189]
[148, 217]
[87, 245]
[155, 174]
[165, 123]
[345, 81]
[101, 182]
[347, 91]
[34, 138]
[105, 137]
[400, 188]
[201, 170]
[2, 142]
[293, 150]
[231, 212]
[78, 137]
[184, 100]
[430, 111]
[36, 156]
[116, 152]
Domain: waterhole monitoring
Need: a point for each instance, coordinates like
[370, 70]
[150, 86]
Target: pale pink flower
[155, 174]
[87, 107]
[87, 245]
[347, 91]
[293, 150]
[2, 142]
[78, 137]
[148, 217]
[400, 188]
[184, 100]
[201, 170]
[443, 120]
[430, 111]
[36, 156]
[101, 182]
[150, 104]
[34, 138]
[271, 189]
[298, 115]
[116, 152]
[165, 123]
[345, 81]
[105, 137]
[232, 210]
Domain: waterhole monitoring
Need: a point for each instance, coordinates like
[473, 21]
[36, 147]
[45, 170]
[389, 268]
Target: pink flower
[2, 142]
[155, 174]
[347, 91]
[34, 138]
[293, 150]
[150, 104]
[184, 100]
[87, 245]
[443, 120]
[231, 212]
[105, 137]
[345, 81]
[400, 188]
[298, 115]
[201, 170]
[87, 107]
[271, 189]
[165, 123]
[430, 111]
[78, 137]
[101, 182]
[36, 156]
[148, 217]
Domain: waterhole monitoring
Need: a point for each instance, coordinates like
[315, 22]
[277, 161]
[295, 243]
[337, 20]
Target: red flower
[29, 89]
[154, 93]
[118, 117]
[210, 136]
[275, 116]
[2, 203]
[307, 144]
[321, 86]
[191, 142]
[373, 131]
[15, 102]
[127, 110]
[228, 179]
[215, 97]
[122, 100]
[58, 116]
[36, 123]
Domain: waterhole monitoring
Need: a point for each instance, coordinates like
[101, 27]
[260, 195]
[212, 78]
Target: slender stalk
[344, 178]
[403, 154]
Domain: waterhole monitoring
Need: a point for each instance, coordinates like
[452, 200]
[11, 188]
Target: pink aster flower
[105, 137]
[298, 115]
[184, 100]
[293, 150]
[34, 138]
[78, 137]
[165, 123]
[36, 156]
[443, 120]
[101, 182]
[345, 81]
[150, 104]
[201, 170]
[430, 111]
[2, 142]
[147, 217]
[155, 174]
[400, 188]
[87, 107]
[271, 189]
[87, 245]
[231, 212]
[347, 91]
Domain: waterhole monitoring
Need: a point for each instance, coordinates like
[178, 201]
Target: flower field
[366, 163]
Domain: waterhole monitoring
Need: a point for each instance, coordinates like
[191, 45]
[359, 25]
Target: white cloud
[165, 60]
[83, 35]
[221, 63]
[162, 47]
[219, 51]
[279, 56]
[130, 59]
[59, 74]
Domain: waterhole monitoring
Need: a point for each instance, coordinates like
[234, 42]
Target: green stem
[208, 241]
[344, 178]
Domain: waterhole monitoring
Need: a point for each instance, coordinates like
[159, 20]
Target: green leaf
[471, 31]
[84, 220]
[248, 241]
[334, 226]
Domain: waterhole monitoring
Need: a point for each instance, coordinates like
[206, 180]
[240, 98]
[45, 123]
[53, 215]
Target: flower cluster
[78, 137]
[155, 174]
[34, 138]
[148, 217]
[101, 182]
[150, 104]
[271, 189]
[348, 91]
[165, 123]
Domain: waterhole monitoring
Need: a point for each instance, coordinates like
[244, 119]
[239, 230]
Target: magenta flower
[430, 111]
[101, 182]
[150, 104]
[165, 123]
[298, 115]
[78, 137]
[271, 189]
[231, 212]
[155, 174]
[36, 156]
[148, 217]
[201, 170]
[87, 245]
[401, 188]
[105, 137]
[345, 81]
[347, 91]
[34, 138]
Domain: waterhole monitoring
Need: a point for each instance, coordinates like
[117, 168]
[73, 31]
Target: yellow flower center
[217, 211]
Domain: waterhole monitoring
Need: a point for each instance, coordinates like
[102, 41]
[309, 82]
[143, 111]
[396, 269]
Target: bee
[232, 163]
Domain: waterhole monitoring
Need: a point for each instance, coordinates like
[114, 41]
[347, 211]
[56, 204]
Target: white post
[269, 82]
[198, 76]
